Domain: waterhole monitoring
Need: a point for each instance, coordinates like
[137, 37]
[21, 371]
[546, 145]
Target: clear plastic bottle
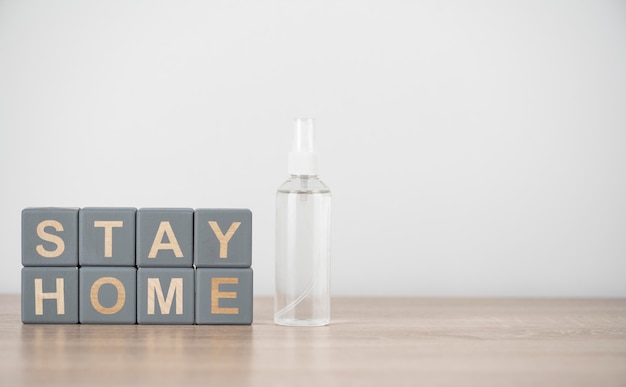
[303, 202]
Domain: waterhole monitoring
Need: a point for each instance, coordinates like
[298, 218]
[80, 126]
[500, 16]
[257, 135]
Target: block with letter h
[146, 266]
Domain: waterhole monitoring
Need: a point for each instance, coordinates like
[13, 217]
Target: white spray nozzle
[303, 160]
[303, 139]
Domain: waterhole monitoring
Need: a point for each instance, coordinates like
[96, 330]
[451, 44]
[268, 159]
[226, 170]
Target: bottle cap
[303, 160]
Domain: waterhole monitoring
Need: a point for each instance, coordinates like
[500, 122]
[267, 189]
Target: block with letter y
[223, 238]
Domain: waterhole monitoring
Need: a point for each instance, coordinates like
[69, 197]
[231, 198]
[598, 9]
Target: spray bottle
[302, 295]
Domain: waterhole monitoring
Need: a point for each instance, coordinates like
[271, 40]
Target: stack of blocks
[127, 266]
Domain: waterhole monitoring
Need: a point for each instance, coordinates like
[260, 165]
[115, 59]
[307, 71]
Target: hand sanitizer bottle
[302, 295]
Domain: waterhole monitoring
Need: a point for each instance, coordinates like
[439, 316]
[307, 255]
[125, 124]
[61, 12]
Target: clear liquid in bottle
[303, 253]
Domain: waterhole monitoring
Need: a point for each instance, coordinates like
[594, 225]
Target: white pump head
[303, 160]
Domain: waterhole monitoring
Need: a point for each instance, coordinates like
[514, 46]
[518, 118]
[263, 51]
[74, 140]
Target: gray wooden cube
[165, 237]
[165, 295]
[50, 295]
[106, 236]
[108, 295]
[50, 236]
[223, 238]
[223, 296]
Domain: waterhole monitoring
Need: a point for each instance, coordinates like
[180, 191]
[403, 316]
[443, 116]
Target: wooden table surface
[371, 341]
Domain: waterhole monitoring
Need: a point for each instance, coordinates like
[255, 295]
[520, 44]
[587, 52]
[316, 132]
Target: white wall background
[474, 148]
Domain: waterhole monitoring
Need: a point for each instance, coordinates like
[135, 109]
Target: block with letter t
[106, 236]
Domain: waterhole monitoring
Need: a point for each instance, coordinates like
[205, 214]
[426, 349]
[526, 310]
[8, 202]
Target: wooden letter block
[108, 295]
[223, 238]
[50, 295]
[106, 236]
[50, 237]
[165, 295]
[165, 237]
[223, 296]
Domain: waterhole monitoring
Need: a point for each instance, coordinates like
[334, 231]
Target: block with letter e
[223, 296]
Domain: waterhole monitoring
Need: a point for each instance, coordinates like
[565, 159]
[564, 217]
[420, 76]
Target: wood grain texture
[370, 342]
